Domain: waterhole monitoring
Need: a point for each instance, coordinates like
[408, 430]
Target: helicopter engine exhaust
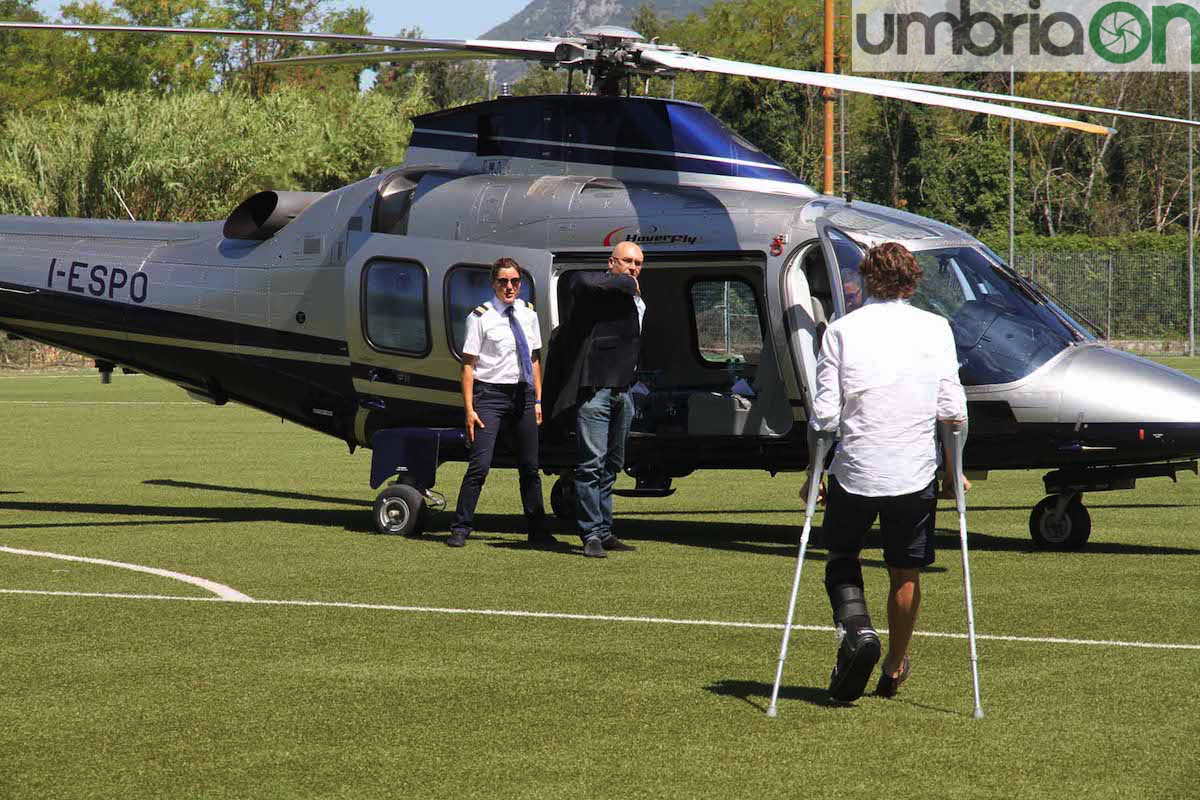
[261, 216]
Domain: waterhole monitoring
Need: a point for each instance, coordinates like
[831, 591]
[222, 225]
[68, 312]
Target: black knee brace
[844, 583]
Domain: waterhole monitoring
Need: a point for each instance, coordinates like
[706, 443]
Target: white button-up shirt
[887, 372]
[490, 338]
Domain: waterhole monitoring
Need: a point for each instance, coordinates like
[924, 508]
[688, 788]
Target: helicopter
[345, 311]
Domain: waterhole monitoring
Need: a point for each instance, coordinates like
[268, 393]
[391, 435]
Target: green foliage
[168, 159]
[543, 81]
[1135, 242]
[447, 83]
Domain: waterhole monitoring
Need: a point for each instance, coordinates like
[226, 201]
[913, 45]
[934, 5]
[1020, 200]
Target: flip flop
[888, 685]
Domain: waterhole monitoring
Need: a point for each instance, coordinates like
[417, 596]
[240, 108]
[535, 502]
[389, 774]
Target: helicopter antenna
[122, 200]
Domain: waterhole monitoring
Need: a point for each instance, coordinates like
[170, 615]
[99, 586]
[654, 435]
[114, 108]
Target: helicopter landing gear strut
[412, 455]
[1060, 522]
[403, 509]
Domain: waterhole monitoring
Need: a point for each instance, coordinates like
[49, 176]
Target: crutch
[955, 435]
[818, 448]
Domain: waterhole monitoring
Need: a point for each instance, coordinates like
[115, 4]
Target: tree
[448, 84]
[85, 67]
[26, 79]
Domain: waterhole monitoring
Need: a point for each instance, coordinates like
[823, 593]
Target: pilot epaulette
[528, 304]
[480, 310]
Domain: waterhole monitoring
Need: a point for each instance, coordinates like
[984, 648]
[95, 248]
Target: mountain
[559, 17]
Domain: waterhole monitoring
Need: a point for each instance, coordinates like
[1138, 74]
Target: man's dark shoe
[542, 539]
[888, 685]
[457, 539]
[857, 655]
[593, 549]
[615, 545]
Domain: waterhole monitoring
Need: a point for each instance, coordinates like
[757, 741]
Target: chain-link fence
[727, 321]
[1137, 301]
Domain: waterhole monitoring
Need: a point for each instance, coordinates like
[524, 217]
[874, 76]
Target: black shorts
[906, 522]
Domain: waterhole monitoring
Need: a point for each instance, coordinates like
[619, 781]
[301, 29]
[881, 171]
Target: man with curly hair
[887, 373]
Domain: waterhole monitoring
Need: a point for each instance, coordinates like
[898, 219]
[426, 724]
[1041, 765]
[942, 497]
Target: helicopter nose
[1101, 385]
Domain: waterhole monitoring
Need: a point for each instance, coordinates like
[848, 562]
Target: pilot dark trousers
[601, 429]
[509, 407]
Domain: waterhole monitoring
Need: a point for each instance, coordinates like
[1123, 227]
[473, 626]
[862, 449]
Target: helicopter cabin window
[725, 316]
[466, 288]
[396, 316]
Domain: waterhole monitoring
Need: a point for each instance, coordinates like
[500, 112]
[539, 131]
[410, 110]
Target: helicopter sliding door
[842, 256]
[407, 300]
[808, 307]
[819, 284]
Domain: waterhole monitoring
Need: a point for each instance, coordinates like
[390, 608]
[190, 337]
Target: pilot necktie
[523, 359]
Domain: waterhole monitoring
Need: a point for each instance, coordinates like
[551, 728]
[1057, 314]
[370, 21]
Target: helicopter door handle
[382, 375]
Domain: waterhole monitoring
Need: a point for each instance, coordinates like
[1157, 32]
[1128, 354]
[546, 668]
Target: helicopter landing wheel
[562, 498]
[1060, 522]
[400, 510]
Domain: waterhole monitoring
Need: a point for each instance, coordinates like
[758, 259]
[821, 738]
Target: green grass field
[173, 694]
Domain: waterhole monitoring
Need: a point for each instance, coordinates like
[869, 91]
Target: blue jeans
[601, 428]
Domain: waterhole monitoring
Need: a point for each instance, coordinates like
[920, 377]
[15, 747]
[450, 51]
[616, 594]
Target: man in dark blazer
[602, 340]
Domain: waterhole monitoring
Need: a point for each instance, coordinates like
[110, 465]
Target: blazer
[599, 340]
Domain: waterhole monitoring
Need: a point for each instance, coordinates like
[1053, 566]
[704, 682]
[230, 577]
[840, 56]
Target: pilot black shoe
[888, 685]
[858, 652]
[593, 549]
[615, 545]
[457, 539]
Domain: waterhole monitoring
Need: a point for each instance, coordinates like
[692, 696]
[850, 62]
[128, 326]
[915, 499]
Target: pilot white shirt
[490, 338]
[887, 372]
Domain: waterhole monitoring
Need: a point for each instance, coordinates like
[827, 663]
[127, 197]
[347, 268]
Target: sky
[439, 19]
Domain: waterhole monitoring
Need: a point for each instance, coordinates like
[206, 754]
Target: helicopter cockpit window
[395, 313]
[726, 318]
[466, 288]
[1002, 332]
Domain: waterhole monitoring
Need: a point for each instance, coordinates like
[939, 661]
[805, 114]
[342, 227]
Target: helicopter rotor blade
[1033, 101]
[534, 50]
[384, 56]
[694, 63]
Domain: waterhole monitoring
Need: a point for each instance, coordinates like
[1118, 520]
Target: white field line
[709, 623]
[219, 589]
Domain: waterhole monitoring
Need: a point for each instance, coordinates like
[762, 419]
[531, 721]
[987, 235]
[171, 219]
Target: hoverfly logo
[647, 235]
[1027, 35]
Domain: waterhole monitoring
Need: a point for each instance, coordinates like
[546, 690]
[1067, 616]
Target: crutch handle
[819, 445]
[953, 434]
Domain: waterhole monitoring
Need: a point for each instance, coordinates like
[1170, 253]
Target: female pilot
[502, 388]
